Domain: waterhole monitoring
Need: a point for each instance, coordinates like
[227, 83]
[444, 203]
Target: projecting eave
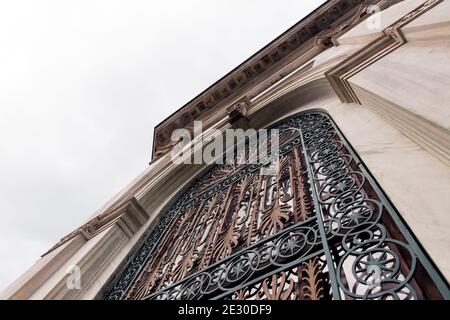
[263, 68]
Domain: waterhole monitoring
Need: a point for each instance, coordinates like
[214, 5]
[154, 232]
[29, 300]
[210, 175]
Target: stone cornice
[130, 216]
[315, 30]
[272, 76]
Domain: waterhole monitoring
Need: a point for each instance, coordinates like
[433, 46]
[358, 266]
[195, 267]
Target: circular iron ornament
[238, 270]
[333, 167]
[298, 241]
[382, 259]
[355, 217]
[342, 190]
[365, 237]
[379, 259]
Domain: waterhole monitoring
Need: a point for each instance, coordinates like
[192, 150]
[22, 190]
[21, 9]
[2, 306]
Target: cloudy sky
[82, 85]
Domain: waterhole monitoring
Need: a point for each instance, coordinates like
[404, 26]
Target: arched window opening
[317, 226]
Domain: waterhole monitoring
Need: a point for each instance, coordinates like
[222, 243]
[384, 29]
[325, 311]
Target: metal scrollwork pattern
[319, 227]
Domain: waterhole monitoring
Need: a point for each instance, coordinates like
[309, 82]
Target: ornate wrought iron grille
[318, 228]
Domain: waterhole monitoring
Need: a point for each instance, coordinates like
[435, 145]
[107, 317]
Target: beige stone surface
[39, 273]
[92, 259]
[336, 53]
[418, 83]
[436, 17]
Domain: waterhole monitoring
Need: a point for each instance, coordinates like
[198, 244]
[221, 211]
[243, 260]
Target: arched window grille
[317, 227]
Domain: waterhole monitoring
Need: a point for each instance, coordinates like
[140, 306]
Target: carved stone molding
[130, 216]
[364, 11]
[391, 39]
[433, 138]
[310, 32]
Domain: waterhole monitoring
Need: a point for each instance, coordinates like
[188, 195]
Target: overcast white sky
[82, 85]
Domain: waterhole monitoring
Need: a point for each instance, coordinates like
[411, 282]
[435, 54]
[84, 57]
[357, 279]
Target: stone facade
[383, 76]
